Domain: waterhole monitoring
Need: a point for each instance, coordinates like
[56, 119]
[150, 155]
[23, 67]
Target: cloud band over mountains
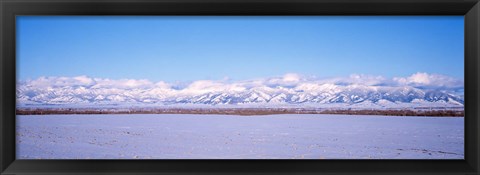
[419, 80]
[83, 89]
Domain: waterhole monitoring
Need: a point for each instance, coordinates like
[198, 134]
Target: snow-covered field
[176, 136]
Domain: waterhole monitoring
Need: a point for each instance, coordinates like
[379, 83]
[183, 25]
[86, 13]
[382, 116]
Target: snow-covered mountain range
[417, 90]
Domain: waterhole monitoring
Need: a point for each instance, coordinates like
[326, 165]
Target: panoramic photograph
[240, 87]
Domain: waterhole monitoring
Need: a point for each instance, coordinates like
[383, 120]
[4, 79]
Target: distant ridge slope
[273, 92]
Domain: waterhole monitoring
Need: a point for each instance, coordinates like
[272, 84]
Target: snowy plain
[286, 136]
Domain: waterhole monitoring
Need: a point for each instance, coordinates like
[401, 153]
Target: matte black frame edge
[10, 8]
[7, 121]
[472, 72]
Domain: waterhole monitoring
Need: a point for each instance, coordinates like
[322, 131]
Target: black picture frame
[9, 9]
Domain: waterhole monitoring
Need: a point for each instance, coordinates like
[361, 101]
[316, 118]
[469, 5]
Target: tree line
[246, 111]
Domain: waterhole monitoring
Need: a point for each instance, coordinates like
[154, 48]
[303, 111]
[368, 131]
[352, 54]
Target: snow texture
[175, 136]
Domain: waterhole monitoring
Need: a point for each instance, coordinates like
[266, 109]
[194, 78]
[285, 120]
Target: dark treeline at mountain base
[246, 111]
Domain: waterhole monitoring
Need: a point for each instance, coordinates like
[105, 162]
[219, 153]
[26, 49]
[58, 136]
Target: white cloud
[421, 79]
[62, 81]
[56, 89]
[83, 89]
[415, 80]
[84, 80]
[289, 79]
[204, 86]
[94, 83]
[122, 83]
[201, 86]
[164, 85]
[358, 79]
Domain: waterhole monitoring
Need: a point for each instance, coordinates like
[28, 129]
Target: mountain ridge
[307, 93]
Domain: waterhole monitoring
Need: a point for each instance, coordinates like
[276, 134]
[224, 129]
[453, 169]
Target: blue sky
[193, 48]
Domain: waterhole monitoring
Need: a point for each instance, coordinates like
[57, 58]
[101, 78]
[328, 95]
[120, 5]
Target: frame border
[9, 9]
